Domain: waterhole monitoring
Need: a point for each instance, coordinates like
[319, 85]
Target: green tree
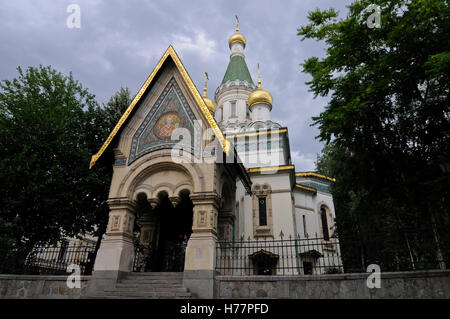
[109, 115]
[116, 106]
[388, 125]
[49, 128]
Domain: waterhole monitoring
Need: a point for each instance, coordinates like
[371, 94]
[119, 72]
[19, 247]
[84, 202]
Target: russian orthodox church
[191, 172]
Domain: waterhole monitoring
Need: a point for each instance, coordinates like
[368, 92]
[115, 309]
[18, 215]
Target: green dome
[237, 70]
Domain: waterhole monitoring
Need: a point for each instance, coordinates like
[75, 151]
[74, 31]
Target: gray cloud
[120, 42]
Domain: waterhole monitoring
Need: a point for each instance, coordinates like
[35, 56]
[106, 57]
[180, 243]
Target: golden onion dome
[237, 37]
[209, 103]
[260, 95]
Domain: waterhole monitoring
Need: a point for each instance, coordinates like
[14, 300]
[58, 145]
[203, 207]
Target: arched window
[233, 109]
[324, 219]
[262, 210]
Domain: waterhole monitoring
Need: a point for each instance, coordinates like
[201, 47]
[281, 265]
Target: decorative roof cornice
[257, 133]
[313, 174]
[270, 169]
[306, 188]
[234, 83]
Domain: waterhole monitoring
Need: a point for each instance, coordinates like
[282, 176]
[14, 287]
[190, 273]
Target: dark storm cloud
[120, 42]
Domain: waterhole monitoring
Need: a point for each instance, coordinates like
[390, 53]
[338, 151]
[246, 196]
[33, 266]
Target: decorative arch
[154, 163]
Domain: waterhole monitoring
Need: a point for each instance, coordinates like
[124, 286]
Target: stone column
[225, 233]
[116, 254]
[225, 225]
[147, 229]
[200, 260]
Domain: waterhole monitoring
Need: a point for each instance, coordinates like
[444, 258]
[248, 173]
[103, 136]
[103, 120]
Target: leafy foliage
[49, 128]
[387, 124]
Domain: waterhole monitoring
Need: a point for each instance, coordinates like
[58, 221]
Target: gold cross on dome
[206, 83]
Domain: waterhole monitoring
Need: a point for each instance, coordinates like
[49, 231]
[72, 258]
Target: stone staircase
[147, 285]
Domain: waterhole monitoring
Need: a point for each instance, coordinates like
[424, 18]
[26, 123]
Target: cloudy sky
[120, 42]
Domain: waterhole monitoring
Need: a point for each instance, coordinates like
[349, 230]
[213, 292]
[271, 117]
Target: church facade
[193, 173]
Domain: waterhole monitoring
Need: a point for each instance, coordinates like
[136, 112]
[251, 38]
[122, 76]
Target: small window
[305, 233]
[247, 112]
[323, 216]
[233, 109]
[262, 211]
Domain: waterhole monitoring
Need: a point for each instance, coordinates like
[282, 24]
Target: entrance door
[175, 228]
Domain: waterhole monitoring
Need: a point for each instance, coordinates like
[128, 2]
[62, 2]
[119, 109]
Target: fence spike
[281, 234]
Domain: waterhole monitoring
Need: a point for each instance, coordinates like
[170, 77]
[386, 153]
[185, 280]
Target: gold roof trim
[268, 169]
[198, 98]
[283, 130]
[310, 189]
[308, 174]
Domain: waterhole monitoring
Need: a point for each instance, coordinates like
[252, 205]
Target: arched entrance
[164, 226]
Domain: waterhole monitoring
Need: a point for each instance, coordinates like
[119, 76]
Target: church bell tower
[236, 86]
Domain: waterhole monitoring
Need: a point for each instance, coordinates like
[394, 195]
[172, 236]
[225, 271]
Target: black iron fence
[318, 255]
[50, 260]
[142, 258]
[290, 256]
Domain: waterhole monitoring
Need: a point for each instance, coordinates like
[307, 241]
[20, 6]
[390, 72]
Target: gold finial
[206, 82]
[260, 95]
[237, 37]
[259, 78]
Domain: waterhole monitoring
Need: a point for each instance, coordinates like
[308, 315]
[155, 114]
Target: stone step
[140, 285]
[104, 296]
[156, 274]
[147, 289]
[136, 294]
[150, 281]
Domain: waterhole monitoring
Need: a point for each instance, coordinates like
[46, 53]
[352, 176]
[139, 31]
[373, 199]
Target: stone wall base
[200, 283]
[40, 287]
[394, 285]
[206, 284]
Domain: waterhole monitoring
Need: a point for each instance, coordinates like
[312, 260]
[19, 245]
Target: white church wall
[281, 201]
[237, 49]
[260, 112]
[305, 206]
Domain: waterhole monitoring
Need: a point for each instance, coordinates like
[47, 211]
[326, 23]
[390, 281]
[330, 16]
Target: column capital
[121, 217]
[153, 202]
[207, 198]
[175, 200]
[121, 203]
